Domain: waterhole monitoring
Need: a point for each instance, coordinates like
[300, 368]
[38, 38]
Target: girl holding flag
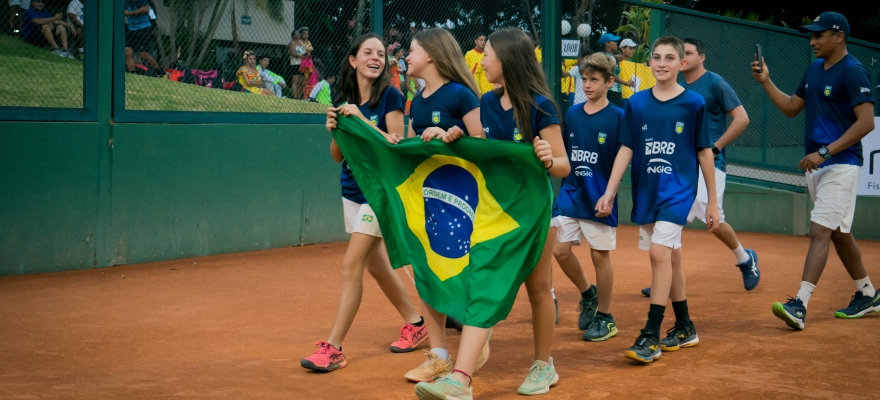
[364, 91]
[447, 108]
[519, 110]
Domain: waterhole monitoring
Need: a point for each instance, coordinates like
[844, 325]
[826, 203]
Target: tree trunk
[216, 15]
[172, 26]
[197, 28]
[531, 14]
[359, 17]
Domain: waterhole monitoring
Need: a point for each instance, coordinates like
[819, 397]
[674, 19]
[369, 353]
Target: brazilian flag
[471, 216]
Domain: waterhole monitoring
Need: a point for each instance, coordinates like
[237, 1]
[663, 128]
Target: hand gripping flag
[471, 216]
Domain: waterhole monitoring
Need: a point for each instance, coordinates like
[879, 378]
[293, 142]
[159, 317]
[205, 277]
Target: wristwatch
[716, 150]
[823, 151]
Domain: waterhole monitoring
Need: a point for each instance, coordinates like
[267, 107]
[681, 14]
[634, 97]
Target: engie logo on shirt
[583, 170]
[659, 166]
[435, 117]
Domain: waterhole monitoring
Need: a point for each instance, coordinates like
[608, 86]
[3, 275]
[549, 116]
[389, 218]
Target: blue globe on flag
[451, 197]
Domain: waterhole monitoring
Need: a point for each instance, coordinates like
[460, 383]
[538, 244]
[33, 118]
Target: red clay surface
[236, 326]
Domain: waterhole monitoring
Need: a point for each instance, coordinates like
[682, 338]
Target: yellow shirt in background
[473, 59]
[640, 74]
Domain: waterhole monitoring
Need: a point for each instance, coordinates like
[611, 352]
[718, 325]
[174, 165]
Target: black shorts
[139, 40]
[38, 39]
[294, 70]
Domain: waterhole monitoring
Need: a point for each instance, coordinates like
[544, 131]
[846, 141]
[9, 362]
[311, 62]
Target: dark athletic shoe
[602, 329]
[751, 273]
[452, 323]
[646, 292]
[587, 309]
[859, 306]
[792, 312]
[679, 336]
[646, 349]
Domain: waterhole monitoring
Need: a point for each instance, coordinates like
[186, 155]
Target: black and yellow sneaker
[646, 349]
[603, 328]
[859, 306]
[683, 334]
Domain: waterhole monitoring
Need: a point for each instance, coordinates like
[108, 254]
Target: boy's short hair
[673, 41]
[598, 62]
[701, 48]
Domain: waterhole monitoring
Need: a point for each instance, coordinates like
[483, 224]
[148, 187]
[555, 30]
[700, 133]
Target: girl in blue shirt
[365, 92]
[519, 110]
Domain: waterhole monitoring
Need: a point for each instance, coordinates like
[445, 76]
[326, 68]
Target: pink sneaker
[326, 359]
[410, 337]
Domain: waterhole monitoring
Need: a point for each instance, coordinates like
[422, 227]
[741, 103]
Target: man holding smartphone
[836, 93]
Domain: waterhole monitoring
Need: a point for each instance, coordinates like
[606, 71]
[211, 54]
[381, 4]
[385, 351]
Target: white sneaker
[68, 55]
[58, 52]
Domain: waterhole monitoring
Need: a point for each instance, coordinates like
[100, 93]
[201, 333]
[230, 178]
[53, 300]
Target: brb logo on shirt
[659, 147]
[584, 156]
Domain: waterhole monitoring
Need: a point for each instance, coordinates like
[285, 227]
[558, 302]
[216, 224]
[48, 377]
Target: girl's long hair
[347, 86]
[446, 53]
[523, 77]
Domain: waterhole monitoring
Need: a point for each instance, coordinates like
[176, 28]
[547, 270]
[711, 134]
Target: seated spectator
[271, 80]
[40, 28]
[249, 77]
[323, 91]
[14, 17]
[75, 18]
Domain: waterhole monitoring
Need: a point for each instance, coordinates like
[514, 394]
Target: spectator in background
[297, 51]
[139, 35]
[575, 72]
[395, 54]
[323, 91]
[40, 28]
[310, 74]
[16, 7]
[609, 47]
[249, 77]
[75, 17]
[473, 58]
[637, 77]
[271, 80]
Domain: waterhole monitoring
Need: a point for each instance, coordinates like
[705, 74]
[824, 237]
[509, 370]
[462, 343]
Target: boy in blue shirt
[592, 130]
[836, 92]
[721, 101]
[664, 133]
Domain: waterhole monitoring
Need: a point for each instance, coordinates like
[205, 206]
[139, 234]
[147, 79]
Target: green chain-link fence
[41, 54]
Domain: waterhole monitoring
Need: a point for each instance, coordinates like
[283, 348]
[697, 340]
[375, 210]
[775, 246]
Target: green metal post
[376, 16]
[551, 44]
[658, 25]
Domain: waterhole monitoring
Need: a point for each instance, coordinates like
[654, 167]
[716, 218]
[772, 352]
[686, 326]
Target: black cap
[828, 21]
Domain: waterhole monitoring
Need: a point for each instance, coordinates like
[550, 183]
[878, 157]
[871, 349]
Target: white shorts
[698, 210]
[833, 190]
[23, 4]
[360, 218]
[599, 236]
[662, 232]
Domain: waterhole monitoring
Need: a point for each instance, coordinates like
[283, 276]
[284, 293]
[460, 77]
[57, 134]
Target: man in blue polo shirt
[139, 35]
[836, 92]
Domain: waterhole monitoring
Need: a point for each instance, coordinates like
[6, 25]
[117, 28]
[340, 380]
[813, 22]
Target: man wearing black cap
[836, 92]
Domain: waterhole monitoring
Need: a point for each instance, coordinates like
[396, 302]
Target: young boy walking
[664, 134]
[593, 128]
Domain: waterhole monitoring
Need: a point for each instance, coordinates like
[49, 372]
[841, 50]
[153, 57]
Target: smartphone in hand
[759, 57]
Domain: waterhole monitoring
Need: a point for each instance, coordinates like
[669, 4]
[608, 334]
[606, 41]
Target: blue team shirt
[500, 124]
[720, 100]
[591, 144]
[140, 21]
[664, 137]
[444, 108]
[391, 100]
[28, 27]
[830, 96]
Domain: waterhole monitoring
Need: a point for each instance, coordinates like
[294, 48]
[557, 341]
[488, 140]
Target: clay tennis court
[236, 326]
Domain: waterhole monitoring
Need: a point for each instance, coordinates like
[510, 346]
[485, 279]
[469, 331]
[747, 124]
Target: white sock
[442, 354]
[553, 292]
[740, 254]
[806, 291]
[865, 286]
